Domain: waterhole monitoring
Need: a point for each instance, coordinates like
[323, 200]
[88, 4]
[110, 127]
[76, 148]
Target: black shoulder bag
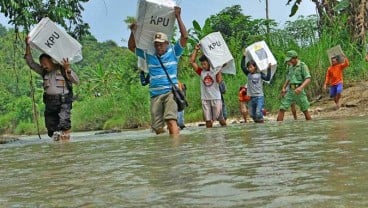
[179, 96]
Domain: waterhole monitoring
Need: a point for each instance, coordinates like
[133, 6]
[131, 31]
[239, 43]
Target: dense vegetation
[110, 95]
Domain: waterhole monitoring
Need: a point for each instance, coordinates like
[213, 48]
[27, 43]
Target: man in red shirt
[334, 78]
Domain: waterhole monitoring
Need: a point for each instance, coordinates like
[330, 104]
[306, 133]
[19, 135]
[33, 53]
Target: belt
[52, 97]
[58, 98]
[294, 86]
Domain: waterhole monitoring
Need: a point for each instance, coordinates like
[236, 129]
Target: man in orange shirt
[334, 78]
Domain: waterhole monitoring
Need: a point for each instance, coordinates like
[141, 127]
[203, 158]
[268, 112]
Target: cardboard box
[153, 16]
[261, 54]
[336, 51]
[215, 49]
[50, 39]
[142, 65]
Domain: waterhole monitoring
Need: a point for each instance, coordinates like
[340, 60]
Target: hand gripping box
[261, 54]
[50, 39]
[153, 16]
[215, 49]
[336, 51]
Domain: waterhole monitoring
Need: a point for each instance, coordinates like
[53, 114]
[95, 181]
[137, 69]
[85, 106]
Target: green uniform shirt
[298, 73]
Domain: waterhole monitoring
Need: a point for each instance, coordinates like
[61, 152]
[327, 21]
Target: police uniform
[58, 95]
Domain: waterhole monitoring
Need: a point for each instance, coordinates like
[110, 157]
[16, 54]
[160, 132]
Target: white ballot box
[215, 49]
[336, 51]
[153, 16]
[47, 37]
[142, 64]
[261, 54]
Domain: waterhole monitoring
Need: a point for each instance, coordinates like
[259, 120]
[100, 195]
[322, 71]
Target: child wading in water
[210, 91]
[243, 102]
[255, 88]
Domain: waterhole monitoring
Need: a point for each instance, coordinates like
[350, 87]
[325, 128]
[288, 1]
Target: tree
[2, 30]
[303, 30]
[331, 12]
[24, 13]
[358, 18]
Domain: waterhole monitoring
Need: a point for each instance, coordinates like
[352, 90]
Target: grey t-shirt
[209, 87]
[255, 85]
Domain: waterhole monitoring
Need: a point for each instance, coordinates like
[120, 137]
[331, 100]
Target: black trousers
[57, 116]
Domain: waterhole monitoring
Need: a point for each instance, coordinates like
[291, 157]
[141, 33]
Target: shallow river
[322, 163]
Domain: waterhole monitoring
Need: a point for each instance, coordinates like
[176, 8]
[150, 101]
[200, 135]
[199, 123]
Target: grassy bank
[110, 95]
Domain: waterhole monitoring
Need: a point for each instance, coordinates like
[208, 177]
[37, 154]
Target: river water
[322, 163]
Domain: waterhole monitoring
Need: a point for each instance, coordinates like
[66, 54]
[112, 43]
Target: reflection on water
[294, 164]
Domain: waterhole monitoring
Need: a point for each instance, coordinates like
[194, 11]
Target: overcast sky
[105, 17]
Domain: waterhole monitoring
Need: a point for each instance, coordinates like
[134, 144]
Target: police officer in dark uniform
[58, 92]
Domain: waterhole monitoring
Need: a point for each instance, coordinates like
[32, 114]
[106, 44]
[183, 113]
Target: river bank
[354, 102]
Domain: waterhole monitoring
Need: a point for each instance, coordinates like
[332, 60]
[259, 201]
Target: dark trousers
[57, 116]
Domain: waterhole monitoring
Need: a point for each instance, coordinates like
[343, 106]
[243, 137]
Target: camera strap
[167, 74]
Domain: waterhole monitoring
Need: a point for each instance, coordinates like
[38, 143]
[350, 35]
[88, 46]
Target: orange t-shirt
[243, 97]
[334, 74]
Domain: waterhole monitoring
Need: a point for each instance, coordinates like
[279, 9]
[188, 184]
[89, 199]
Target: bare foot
[337, 107]
[160, 131]
[222, 123]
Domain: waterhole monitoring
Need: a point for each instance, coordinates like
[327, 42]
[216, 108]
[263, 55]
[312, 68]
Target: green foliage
[2, 30]
[92, 113]
[110, 95]
[303, 30]
[25, 13]
[122, 109]
[7, 122]
[301, 35]
[5, 96]
[129, 20]
[26, 128]
[342, 5]
[22, 109]
[106, 71]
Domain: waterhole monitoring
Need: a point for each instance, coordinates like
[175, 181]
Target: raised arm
[193, 57]
[29, 59]
[267, 77]
[131, 42]
[70, 74]
[182, 29]
[346, 63]
[244, 66]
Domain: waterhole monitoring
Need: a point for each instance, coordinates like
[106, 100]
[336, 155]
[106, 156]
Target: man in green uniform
[298, 78]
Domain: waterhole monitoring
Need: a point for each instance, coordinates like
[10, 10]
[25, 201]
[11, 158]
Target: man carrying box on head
[334, 78]
[58, 92]
[298, 78]
[163, 106]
